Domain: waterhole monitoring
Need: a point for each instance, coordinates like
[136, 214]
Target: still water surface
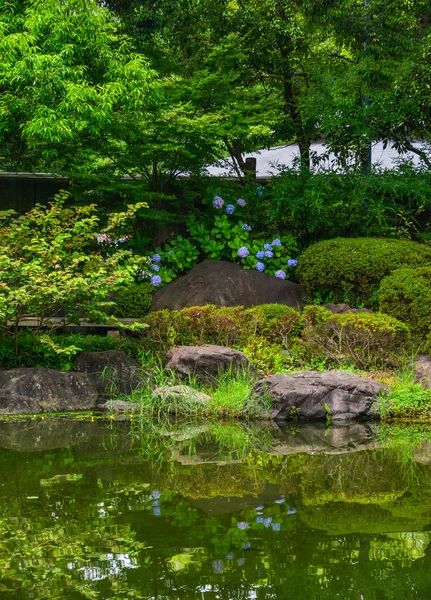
[109, 510]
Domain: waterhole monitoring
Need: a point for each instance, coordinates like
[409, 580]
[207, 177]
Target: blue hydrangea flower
[276, 242]
[155, 267]
[280, 274]
[241, 202]
[156, 258]
[268, 247]
[260, 267]
[155, 494]
[218, 202]
[267, 522]
[156, 280]
[242, 525]
[269, 254]
[243, 252]
[246, 546]
[157, 511]
[259, 519]
[230, 209]
[275, 526]
[260, 507]
[260, 190]
[240, 561]
[217, 565]
[292, 262]
[291, 510]
[246, 227]
[229, 555]
[260, 254]
[281, 499]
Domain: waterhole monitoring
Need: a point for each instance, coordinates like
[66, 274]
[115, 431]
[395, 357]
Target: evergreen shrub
[361, 339]
[134, 300]
[406, 295]
[351, 269]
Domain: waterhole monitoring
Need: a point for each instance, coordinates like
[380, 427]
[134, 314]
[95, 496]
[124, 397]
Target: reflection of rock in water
[97, 438]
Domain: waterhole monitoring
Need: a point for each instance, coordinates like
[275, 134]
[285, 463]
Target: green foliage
[406, 399]
[51, 266]
[267, 357]
[327, 204]
[134, 300]
[35, 352]
[350, 270]
[406, 295]
[228, 326]
[363, 340]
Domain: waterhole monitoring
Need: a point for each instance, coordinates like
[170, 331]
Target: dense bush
[406, 295]
[35, 353]
[134, 300]
[362, 339]
[328, 204]
[350, 270]
[229, 326]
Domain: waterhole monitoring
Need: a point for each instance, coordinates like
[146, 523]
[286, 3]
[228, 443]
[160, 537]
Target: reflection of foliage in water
[101, 521]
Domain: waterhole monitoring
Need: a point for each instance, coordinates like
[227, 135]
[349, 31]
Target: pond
[113, 509]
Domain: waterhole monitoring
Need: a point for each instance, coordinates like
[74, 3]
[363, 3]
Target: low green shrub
[350, 270]
[267, 357]
[363, 340]
[406, 295]
[134, 300]
[406, 399]
[35, 353]
[226, 326]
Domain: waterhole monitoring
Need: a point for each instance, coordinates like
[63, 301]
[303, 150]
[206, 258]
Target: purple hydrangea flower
[268, 247]
[218, 202]
[241, 202]
[260, 267]
[230, 209]
[280, 274]
[156, 258]
[156, 280]
[269, 254]
[155, 267]
[260, 254]
[243, 252]
[276, 242]
[292, 262]
[246, 227]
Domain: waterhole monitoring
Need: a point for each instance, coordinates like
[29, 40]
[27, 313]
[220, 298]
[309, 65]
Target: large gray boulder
[206, 362]
[113, 372]
[314, 395]
[422, 371]
[226, 284]
[29, 391]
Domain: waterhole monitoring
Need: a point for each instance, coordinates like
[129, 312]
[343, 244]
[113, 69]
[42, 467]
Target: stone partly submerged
[207, 362]
[226, 284]
[112, 372]
[29, 391]
[311, 395]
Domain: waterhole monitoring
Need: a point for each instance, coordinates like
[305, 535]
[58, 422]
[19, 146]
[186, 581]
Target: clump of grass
[406, 399]
[229, 396]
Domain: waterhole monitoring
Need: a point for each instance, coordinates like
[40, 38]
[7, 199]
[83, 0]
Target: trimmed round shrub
[406, 295]
[351, 269]
[361, 339]
[134, 300]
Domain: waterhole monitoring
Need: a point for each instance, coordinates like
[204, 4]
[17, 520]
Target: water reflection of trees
[92, 522]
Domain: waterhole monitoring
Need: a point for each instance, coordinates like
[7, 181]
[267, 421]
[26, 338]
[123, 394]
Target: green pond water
[112, 509]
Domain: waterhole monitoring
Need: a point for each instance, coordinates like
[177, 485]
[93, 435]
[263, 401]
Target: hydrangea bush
[222, 233]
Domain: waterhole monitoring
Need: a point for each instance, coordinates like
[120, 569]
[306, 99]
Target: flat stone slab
[318, 396]
[30, 391]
